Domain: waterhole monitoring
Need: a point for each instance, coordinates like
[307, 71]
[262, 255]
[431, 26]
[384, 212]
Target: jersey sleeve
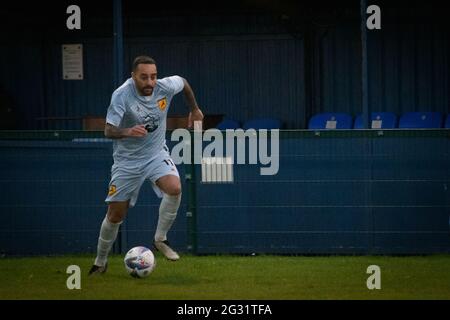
[116, 110]
[173, 84]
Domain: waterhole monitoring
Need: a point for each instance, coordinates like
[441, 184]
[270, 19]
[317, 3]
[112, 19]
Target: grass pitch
[231, 277]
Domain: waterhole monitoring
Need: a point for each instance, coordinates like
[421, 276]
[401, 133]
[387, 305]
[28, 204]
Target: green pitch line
[231, 277]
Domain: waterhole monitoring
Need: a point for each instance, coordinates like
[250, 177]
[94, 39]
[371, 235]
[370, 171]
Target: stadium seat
[330, 120]
[262, 123]
[379, 120]
[447, 122]
[413, 120]
[228, 124]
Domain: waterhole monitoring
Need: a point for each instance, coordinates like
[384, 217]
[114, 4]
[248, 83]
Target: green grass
[232, 277]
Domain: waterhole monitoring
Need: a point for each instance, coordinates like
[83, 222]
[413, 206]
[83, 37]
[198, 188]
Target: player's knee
[174, 190]
[116, 214]
[115, 217]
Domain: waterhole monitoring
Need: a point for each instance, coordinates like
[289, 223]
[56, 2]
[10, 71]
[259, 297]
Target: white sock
[167, 214]
[108, 234]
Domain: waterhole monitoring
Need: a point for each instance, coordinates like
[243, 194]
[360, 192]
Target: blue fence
[336, 192]
[349, 192]
[53, 198]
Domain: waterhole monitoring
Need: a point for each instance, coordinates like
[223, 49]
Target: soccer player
[136, 120]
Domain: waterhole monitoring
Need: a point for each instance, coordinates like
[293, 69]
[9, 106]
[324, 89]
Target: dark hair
[142, 60]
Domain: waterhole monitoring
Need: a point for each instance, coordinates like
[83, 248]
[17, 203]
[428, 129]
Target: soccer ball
[139, 262]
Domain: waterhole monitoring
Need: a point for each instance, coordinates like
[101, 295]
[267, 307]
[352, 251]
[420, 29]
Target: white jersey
[128, 109]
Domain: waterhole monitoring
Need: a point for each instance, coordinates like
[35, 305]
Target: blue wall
[352, 192]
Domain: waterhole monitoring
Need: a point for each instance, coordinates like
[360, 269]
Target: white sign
[331, 124]
[376, 124]
[72, 61]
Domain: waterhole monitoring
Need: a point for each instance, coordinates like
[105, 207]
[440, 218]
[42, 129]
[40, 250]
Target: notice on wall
[72, 61]
[376, 124]
[331, 124]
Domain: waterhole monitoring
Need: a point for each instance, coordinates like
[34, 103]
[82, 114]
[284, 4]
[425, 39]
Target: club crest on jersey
[162, 103]
[112, 190]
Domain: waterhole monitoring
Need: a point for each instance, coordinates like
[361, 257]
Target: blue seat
[330, 120]
[262, 123]
[447, 122]
[413, 120]
[228, 124]
[388, 120]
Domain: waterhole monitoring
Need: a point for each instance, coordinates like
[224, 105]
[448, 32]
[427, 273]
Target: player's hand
[137, 131]
[195, 115]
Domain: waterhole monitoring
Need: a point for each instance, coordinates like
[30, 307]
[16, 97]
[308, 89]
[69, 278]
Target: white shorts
[126, 183]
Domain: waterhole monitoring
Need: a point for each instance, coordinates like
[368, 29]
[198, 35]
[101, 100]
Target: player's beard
[147, 91]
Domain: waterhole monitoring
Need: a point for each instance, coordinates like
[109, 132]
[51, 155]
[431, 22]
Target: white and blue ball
[139, 262]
